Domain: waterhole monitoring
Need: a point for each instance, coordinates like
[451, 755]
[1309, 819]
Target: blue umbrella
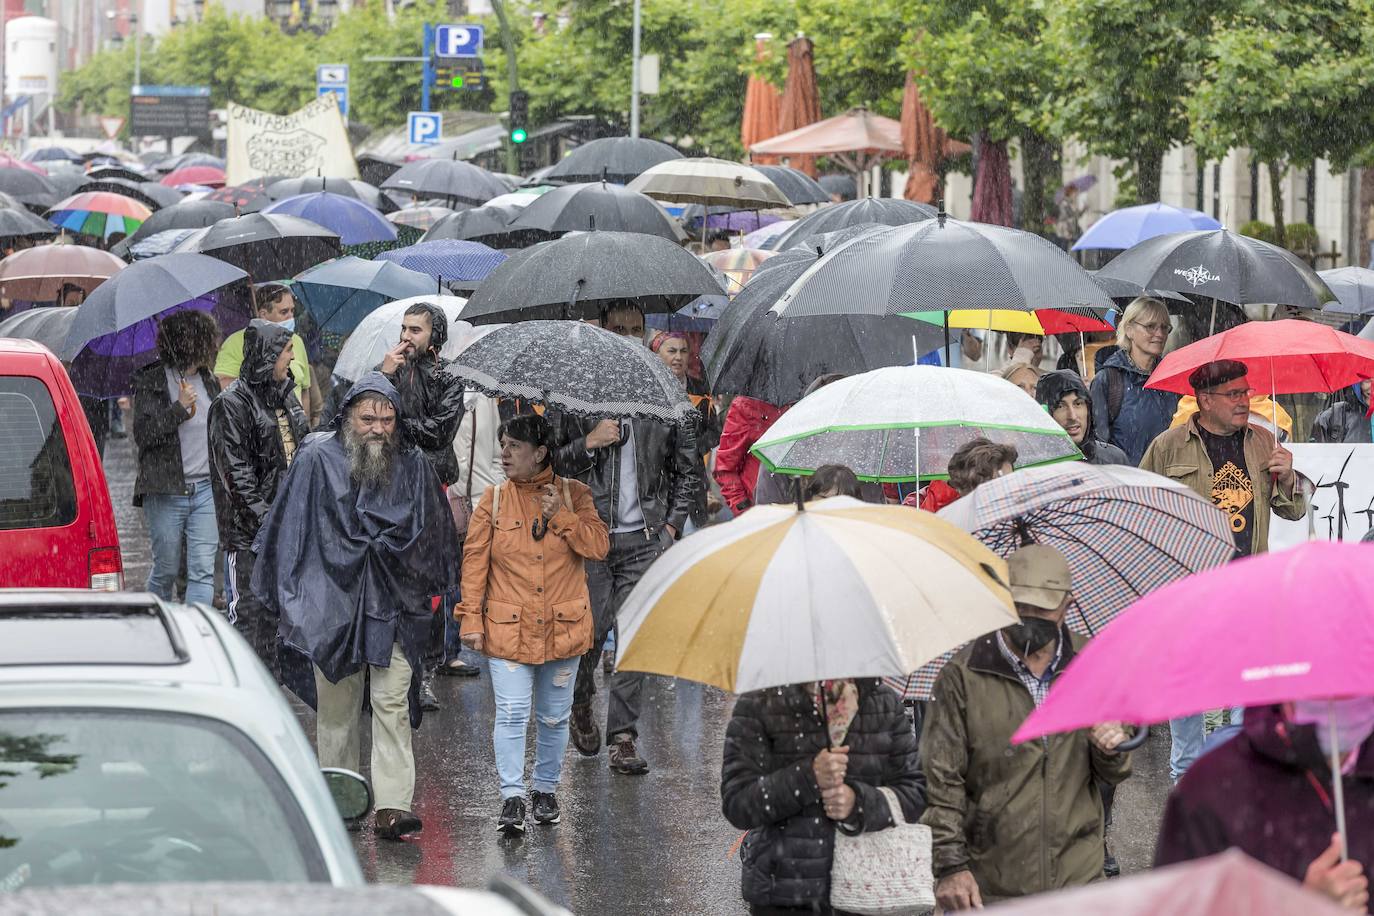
[1125, 228]
[354, 221]
[459, 264]
[115, 329]
[340, 293]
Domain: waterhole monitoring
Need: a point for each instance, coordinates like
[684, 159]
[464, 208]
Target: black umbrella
[23, 224]
[268, 246]
[149, 193]
[186, 160]
[48, 326]
[376, 169]
[103, 172]
[754, 352]
[1121, 289]
[884, 211]
[29, 188]
[489, 225]
[575, 368]
[189, 214]
[618, 159]
[799, 187]
[451, 179]
[595, 205]
[842, 185]
[66, 180]
[943, 264]
[1220, 265]
[580, 276]
[359, 190]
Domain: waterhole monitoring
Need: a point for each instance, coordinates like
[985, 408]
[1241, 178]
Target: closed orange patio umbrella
[761, 105]
[801, 100]
[925, 145]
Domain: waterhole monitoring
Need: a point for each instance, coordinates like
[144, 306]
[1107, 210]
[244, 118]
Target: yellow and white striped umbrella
[842, 589]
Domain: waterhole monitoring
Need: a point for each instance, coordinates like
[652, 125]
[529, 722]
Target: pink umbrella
[1292, 625]
[207, 175]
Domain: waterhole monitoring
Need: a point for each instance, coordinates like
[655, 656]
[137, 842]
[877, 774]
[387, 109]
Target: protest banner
[310, 141]
[1342, 501]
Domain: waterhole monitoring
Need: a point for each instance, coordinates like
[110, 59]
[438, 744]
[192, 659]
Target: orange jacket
[527, 597]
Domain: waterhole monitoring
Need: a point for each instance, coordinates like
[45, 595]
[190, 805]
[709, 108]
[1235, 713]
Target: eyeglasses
[1153, 329]
[1235, 396]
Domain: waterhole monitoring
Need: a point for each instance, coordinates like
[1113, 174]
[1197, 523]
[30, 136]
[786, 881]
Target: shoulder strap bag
[884, 872]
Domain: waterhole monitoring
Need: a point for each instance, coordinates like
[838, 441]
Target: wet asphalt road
[628, 845]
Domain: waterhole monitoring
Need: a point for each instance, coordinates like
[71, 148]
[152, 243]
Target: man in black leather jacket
[431, 411]
[643, 476]
[256, 426]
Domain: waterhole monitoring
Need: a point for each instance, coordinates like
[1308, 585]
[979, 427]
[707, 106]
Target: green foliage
[1258, 229]
[1301, 237]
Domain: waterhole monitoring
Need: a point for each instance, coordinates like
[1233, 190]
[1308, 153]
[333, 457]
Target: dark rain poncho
[351, 570]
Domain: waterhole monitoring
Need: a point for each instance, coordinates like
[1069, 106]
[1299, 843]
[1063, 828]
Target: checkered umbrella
[1124, 532]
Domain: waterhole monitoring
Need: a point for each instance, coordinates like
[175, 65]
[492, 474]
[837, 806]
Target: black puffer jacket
[156, 418]
[666, 464]
[768, 786]
[247, 457]
[432, 400]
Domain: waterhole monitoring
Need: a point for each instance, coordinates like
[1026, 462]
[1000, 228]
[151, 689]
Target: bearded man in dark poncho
[358, 540]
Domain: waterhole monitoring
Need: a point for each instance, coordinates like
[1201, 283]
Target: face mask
[1354, 721]
[1031, 635]
[289, 324]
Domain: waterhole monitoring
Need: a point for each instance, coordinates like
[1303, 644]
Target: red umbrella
[196, 174]
[761, 106]
[38, 274]
[1228, 884]
[1284, 357]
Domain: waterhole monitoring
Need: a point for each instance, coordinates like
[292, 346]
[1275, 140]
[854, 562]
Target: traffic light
[519, 116]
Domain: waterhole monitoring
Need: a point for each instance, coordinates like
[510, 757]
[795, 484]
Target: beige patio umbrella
[857, 139]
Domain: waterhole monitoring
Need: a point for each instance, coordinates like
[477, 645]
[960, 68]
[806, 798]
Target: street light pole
[634, 74]
[512, 76]
[138, 49]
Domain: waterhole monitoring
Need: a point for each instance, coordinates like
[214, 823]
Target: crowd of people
[415, 526]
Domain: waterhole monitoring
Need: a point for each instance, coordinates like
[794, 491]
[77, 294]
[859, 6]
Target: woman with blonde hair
[1125, 412]
[1022, 375]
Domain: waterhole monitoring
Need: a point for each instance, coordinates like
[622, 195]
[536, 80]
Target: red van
[57, 527]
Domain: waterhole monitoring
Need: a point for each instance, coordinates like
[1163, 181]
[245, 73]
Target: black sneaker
[512, 819]
[1110, 868]
[544, 807]
[428, 701]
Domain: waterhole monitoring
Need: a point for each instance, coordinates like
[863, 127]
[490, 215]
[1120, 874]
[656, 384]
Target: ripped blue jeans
[549, 689]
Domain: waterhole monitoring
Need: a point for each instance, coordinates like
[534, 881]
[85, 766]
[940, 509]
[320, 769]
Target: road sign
[170, 111]
[425, 127]
[458, 41]
[331, 75]
[111, 126]
[340, 94]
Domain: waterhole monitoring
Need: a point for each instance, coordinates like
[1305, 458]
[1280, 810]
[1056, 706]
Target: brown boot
[624, 759]
[586, 737]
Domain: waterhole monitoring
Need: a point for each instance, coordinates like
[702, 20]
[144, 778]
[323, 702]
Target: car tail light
[107, 569]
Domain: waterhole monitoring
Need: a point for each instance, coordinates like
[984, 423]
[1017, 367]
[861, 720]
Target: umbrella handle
[1130, 744]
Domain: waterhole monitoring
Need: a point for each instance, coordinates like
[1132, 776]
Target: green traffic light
[518, 135]
[458, 82]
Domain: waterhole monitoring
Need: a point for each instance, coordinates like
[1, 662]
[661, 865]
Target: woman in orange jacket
[525, 605]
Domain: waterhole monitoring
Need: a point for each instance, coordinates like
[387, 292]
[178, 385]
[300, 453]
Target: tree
[1285, 79]
[1126, 70]
[984, 69]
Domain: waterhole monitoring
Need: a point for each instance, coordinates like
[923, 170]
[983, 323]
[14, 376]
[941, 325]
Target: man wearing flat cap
[1012, 820]
[1241, 468]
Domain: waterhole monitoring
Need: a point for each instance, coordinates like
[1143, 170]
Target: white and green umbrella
[904, 423]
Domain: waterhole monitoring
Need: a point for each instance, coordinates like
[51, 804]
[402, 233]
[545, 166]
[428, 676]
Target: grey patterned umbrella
[595, 205]
[576, 368]
[884, 211]
[451, 179]
[579, 276]
[942, 264]
[487, 224]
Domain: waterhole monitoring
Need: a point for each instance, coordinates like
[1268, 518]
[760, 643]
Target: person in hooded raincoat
[254, 430]
[1066, 398]
[359, 538]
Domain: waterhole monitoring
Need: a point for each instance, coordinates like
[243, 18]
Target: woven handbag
[886, 872]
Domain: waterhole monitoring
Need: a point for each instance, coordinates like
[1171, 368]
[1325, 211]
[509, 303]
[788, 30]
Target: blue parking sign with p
[425, 127]
[458, 41]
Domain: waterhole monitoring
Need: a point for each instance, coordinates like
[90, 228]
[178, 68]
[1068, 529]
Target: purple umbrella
[355, 222]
